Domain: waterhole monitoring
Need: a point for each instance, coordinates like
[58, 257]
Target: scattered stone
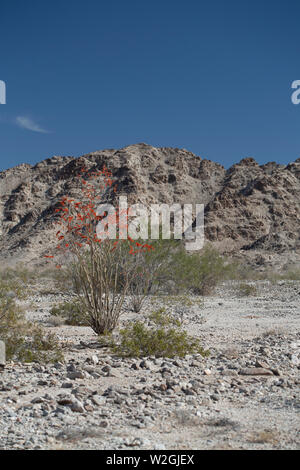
[255, 371]
[94, 359]
[98, 400]
[136, 407]
[146, 365]
[67, 385]
[262, 364]
[103, 424]
[65, 400]
[77, 406]
[76, 374]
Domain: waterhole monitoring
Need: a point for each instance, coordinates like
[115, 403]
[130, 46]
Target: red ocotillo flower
[78, 219]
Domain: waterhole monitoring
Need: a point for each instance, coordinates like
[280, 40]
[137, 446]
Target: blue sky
[213, 77]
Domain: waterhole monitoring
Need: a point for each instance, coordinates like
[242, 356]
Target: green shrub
[72, 312]
[199, 272]
[25, 341]
[170, 269]
[164, 339]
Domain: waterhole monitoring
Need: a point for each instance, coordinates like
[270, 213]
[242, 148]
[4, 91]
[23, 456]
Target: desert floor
[245, 395]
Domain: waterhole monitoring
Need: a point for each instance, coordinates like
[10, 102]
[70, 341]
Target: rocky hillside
[251, 210]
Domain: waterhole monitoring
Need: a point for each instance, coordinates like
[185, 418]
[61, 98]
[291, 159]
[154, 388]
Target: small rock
[42, 383]
[94, 359]
[65, 400]
[37, 400]
[103, 424]
[67, 385]
[255, 371]
[88, 407]
[276, 372]
[76, 374]
[98, 400]
[77, 406]
[145, 364]
[262, 364]
[163, 387]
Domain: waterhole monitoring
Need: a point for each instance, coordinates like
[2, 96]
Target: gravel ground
[245, 395]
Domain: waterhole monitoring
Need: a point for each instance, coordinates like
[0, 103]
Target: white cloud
[29, 124]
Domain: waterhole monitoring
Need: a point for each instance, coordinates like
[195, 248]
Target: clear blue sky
[213, 77]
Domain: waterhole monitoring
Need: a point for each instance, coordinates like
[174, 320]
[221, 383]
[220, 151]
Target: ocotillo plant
[100, 269]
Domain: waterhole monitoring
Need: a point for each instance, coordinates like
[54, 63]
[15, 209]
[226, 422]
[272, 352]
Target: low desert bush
[72, 312]
[164, 338]
[199, 272]
[25, 341]
[172, 271]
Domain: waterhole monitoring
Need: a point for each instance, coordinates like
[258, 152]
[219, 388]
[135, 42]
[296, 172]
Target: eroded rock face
[248, 208]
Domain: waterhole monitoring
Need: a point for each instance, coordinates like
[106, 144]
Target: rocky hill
[251, 210]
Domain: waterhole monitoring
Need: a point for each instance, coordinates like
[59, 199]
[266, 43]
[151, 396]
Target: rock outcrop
[251, 210]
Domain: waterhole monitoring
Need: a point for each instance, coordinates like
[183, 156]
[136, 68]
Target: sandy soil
[245, 395]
